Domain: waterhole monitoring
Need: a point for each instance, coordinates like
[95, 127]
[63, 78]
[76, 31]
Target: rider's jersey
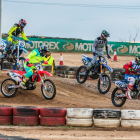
[34, 57]
[16, 30]
[132, 65]
[99, 44]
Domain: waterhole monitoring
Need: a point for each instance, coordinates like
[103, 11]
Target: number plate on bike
[22, 44]
[84, 60]
[39, 67]
[104, 60]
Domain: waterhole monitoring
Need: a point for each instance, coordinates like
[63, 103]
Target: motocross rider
[36, 56]
[130, 74]
[14, 32]
[98, 47]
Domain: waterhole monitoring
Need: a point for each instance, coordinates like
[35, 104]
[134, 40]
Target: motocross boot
[89, 66]
[129, 88]
[23, 84]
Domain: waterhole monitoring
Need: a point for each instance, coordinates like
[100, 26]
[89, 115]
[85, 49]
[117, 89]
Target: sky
[84, 19]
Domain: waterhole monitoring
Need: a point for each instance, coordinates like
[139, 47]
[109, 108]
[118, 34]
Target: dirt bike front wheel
[105, 84]
[81, 74]
[118, 101]
[5, 88]
[49, 89]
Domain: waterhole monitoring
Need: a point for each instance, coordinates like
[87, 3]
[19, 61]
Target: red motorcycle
[10, 86]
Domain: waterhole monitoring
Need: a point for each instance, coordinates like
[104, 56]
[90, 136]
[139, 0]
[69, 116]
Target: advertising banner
[82, 46]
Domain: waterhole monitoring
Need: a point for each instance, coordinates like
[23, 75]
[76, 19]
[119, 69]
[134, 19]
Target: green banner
[83, 46]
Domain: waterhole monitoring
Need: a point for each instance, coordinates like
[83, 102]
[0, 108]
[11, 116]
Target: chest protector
[17, 31]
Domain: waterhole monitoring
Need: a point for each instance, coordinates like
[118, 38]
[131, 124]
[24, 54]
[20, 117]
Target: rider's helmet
[43, 50]
[22, 23]
[137, 58]
[105, 35]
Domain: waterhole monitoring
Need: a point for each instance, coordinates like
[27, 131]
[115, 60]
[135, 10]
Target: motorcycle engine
[10, 58]
[31, 86]
[94, 75]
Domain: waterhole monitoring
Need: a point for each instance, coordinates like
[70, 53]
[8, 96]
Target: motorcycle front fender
[109, 68]
[24, 50]
[45, 72]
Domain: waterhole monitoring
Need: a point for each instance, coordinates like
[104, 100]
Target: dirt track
[70, 94]
[65, 133]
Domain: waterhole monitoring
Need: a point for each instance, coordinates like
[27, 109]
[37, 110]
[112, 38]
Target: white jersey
[99, 44]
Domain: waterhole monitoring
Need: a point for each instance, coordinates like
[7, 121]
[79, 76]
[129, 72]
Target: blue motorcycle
[97, 71]
[14, 53]
[119, 97]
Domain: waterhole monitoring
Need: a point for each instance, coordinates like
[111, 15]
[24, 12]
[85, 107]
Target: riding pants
[94, 58]
[29, 71]
[10, 41]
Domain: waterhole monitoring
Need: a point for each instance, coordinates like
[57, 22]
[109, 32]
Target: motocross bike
[10, 86]
[13, 55]
[118, 96]
[104, 82]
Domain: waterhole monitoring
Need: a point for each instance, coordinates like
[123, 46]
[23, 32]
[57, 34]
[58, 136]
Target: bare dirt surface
[65, 133]
[69, 94]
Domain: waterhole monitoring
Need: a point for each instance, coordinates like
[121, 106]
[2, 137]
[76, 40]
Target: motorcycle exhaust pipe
[121, 96]
[16, 86]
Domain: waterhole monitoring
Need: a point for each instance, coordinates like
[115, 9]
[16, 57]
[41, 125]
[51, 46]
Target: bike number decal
[39, 67]
[104, 60]
[15, 77]
[120, 84]
[84, 60]
[21, 43]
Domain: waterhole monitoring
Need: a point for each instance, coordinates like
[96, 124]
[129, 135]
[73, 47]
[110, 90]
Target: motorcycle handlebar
[19, 39]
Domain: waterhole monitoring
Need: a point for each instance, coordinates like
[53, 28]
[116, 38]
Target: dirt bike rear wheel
[5, 90]
[81, 78]
[50, 89]
[114, 98]
[104, 83]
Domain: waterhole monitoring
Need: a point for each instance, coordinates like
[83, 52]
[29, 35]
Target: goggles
[23, 24]
[105, 36]
[138, 59]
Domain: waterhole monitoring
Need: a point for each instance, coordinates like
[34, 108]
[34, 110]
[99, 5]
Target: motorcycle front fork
[43, 81]
[101, 72]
